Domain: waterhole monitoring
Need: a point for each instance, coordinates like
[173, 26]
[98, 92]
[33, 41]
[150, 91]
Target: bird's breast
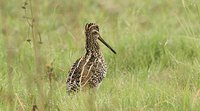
[92, 70]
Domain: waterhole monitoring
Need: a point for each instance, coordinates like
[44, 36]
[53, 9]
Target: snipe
[89, 70]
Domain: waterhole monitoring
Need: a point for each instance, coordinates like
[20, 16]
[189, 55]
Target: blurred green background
[157, 66]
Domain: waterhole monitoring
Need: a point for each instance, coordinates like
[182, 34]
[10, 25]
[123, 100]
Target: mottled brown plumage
[89, 70]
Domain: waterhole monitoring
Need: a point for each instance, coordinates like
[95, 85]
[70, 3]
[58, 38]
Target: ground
[156, 68]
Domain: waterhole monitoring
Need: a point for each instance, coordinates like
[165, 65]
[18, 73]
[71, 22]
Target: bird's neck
[92, 47]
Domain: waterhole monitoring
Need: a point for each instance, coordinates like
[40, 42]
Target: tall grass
[156, 66]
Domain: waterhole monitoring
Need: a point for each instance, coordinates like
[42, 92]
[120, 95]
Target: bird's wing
[94, 72]
[74, 75]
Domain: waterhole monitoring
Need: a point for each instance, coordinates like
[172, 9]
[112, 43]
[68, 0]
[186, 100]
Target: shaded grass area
[156, 66]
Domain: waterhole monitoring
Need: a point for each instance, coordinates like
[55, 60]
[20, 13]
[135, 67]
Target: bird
[90, 69]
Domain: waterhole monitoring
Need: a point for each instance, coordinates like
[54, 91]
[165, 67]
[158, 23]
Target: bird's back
[87, 72]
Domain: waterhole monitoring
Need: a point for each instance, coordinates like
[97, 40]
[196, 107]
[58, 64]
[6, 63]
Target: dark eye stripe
[95, 31]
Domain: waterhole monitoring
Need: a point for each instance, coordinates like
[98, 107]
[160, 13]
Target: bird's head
[92, 33]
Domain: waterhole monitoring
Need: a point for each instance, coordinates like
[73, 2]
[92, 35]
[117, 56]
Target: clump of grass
[38, 74]
[156, 68]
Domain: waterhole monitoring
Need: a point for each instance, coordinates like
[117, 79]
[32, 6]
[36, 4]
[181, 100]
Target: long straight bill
[101, 39]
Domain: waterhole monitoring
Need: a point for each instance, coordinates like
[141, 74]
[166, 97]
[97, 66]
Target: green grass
[157, 66]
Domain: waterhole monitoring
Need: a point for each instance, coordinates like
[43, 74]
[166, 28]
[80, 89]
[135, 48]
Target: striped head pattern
[92, 34]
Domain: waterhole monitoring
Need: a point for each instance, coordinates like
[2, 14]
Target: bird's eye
[97, 28]
[95, 33]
